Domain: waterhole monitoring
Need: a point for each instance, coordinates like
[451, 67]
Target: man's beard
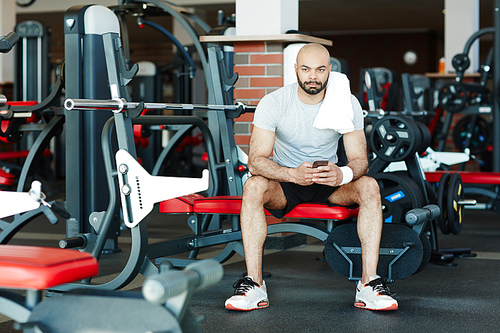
[313, 91]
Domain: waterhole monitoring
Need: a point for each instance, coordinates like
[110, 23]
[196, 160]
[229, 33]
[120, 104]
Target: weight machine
[397, 142]
[13, 116]
[162, 306]
[469, 99]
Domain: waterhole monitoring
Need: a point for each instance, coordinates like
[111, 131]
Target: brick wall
[260, 69]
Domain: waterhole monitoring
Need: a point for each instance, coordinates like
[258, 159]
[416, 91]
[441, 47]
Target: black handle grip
[420, 215]
[73, 242]
[434, 211]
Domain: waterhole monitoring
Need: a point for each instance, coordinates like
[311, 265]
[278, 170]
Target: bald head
[313, 51]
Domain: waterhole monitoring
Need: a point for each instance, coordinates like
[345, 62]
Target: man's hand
[330, 175]
[303, 175]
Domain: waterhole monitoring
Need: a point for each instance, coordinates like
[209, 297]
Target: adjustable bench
[34, 269]
[231, 205]
[402, 248]
[38, 268]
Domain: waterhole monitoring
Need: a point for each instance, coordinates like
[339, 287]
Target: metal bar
[25, 70]
[40, 72]
[121, 104]
[477, 34]
[467, 202]
[351, 264]
[389, 269]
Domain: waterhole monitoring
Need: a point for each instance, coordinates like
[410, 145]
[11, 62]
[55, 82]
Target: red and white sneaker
[374, 295]
[248, 295]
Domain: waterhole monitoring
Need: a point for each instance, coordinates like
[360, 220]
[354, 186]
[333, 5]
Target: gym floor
[307, 296]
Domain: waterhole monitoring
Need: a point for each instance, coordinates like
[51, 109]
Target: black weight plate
[399, 194]
[455, 211]
[395, 237]
[452, 97]
[394, 138]
[442, 202]
[427, 251]
[481, 134]
[426, 136]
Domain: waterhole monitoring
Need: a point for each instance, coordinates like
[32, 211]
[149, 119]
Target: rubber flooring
[307, 296]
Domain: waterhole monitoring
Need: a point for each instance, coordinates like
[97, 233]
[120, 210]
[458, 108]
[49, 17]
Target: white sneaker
[248, 295]
[374, 295]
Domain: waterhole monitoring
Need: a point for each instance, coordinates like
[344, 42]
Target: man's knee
[368, 189]
[255, 186]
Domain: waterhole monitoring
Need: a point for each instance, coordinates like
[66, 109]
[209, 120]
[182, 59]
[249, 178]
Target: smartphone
[319, 163]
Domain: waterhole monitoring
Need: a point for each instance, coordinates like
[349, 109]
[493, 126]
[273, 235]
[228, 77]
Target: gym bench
[161, 307]
[231, 205]
[35, 269]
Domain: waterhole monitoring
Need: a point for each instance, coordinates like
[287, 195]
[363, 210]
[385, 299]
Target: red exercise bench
[39, 268]
[231, 205]
[34, 269]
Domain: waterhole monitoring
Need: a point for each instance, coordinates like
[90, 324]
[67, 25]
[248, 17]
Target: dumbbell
[420, 215]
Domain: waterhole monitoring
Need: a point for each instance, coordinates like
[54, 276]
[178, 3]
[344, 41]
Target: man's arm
[259, 164]
[355, 148]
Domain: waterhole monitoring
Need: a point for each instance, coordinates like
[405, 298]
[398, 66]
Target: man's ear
[295, 68]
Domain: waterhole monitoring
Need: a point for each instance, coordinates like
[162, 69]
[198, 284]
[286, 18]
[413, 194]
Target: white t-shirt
[292, 120]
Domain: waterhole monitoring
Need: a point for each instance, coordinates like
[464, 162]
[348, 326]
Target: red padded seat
[468, 177]
[180, 205]
[34, 267]
[314, 210]
[231, 205]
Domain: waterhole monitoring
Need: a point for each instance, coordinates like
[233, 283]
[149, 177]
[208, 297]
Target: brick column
[260, 69]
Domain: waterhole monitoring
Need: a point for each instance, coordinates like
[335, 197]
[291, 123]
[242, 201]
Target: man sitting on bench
[284, 126]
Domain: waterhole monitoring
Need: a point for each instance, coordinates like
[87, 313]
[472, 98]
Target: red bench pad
[468, 177]
[179, 205]
[231, 205]
[34, 267]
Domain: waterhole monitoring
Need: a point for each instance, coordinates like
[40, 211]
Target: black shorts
[296, 194]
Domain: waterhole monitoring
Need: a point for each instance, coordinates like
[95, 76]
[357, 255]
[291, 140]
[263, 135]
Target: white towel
[336, 111]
